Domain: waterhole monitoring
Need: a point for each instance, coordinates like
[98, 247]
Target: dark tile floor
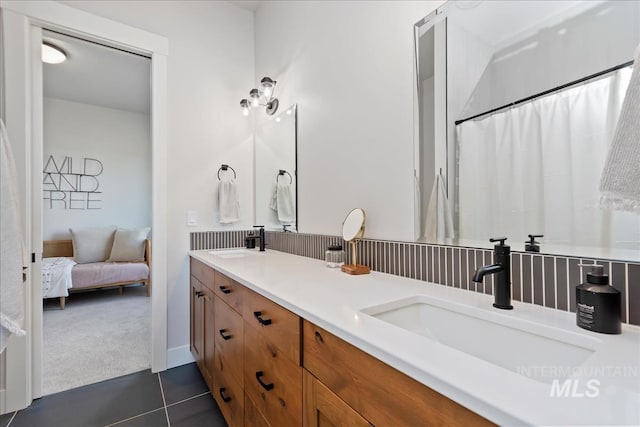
[177, 397]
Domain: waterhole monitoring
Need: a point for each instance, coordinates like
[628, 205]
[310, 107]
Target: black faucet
[261, 237]
[502, 269]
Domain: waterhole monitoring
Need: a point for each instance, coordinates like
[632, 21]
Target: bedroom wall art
[69, 185]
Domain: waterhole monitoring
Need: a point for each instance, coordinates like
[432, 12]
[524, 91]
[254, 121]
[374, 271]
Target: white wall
[210, 68]
[121, 141]
[349, 66]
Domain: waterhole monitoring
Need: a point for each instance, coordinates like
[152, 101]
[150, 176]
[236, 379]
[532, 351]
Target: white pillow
[129, 245]
[92, 244]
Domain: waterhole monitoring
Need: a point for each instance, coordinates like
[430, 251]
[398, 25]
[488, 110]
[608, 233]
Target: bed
[62, 275]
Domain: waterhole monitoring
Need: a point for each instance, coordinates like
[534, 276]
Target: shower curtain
[536, 168]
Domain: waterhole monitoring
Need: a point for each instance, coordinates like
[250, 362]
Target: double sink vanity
[282, 340]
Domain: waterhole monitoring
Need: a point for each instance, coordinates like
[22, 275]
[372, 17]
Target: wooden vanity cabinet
[266, 367]
[379, 393]
[255, 373]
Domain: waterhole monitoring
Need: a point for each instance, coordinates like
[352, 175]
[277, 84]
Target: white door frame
[23, 23]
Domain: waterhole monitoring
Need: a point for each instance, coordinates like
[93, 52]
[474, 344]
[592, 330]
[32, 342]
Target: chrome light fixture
[52, 54]
[262, 97]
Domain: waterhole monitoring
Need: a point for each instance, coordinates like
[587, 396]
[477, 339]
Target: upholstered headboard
[55, 248]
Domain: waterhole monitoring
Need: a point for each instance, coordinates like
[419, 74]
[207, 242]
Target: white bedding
[56, 276]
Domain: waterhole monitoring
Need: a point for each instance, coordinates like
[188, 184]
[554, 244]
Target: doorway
[22, 27]
[96, 175]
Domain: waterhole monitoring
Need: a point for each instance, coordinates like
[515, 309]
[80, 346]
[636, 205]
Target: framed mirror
[517, 102]
[276, 197]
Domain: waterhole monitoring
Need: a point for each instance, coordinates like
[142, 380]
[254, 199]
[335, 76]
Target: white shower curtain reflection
[535, 168]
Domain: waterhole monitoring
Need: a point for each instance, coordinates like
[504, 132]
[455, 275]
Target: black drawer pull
[263, 322]
[199, 294]
[226, 337]
[319, 337]
[225, 399]
[225, 290]
[259, 375]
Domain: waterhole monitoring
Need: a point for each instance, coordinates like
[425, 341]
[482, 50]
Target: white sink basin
[521, 346]
[232, 253]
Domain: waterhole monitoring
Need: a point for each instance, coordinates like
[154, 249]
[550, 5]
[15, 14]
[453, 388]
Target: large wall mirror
[517, 105]
[276, 171]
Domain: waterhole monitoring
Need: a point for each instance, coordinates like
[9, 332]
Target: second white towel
[283, 203]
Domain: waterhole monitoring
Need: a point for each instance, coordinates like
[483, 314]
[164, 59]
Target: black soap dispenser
[598, 305]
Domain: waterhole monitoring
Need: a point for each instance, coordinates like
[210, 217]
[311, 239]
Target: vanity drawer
[272, 380]
[380, 393]
[229, 291]
[230, 397]
[280, 326]
[202, 272]
[229, 338]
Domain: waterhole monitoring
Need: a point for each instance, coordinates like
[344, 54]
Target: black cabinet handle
[263, 322]
[225, 290]
[199, 294]
[319, 337]
[225, 399]
[259, 375]
[226, 337]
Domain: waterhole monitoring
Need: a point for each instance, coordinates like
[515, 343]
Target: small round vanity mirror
[352, 230]
[353, 225]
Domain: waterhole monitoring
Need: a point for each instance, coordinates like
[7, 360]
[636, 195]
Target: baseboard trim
[178, 356]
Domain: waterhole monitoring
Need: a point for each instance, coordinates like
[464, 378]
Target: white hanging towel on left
[439, 220]
[228, 200]
[12, 252]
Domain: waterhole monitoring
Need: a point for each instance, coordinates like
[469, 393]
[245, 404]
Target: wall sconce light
[261, 97]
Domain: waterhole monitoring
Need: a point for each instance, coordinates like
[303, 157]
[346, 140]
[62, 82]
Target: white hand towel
[439, 220]
[228, 200]
[12, 253]
[284, 200]
[620, 181]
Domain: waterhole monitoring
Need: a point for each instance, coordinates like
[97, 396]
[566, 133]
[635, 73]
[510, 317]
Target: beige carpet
[99, 335]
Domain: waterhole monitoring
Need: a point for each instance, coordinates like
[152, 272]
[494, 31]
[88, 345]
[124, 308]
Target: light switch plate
[192, 218]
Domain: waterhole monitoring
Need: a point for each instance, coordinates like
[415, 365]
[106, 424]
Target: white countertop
[333, 300]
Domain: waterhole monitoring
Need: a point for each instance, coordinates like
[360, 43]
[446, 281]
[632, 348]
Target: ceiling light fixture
[52, 54]
[261, 97]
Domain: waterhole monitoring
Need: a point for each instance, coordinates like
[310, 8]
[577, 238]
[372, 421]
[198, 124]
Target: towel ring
[282, 172]
[224, 168]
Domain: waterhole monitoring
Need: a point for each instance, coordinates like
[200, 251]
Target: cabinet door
[382, 394]
[322, 408]
[197, 322]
